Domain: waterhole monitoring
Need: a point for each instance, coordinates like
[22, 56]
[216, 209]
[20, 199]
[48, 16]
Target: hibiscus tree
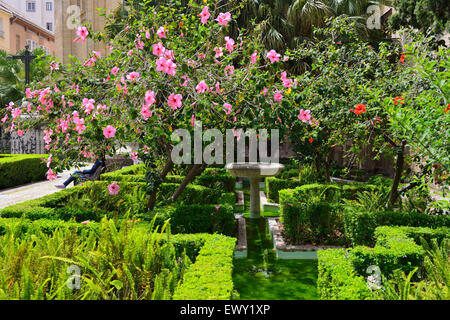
[163, 71]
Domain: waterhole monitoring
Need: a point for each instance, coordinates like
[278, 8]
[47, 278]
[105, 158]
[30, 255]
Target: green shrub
[192, 194]
[289, 174]
[196, 218]
[21, 228]
[341, 272]
[210, 277]
[19, 169]
[274, 185]
[313, 213]
[337, 279]
[216, 178]
[360, 226]
[315, 221]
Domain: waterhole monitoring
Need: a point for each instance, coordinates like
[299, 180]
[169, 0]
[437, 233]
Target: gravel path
[33, 190]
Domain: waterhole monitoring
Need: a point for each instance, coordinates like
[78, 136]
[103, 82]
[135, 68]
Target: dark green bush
[313, 213]
[216, 178]
[274, 185]
[19, 169]
[360, 226]
[192, 194]
[197, 218]
[315, 221]
[342, 272]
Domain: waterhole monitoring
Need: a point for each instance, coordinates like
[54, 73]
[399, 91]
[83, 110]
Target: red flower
[359, 108]
[311, 140]
[398, 100]
[447, 109]
[402, 58]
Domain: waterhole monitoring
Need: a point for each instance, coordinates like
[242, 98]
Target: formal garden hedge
[342, 271]
[313, 213]
[19, 169]
[91, 201]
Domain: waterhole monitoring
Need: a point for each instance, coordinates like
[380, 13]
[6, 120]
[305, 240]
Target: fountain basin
[254, 171]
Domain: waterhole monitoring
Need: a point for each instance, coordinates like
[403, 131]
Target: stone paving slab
[35, 190]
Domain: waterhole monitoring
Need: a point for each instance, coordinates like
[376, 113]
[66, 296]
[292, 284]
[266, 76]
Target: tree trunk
[328, 165]
[398, 173]
[165, 171]
[196, 170]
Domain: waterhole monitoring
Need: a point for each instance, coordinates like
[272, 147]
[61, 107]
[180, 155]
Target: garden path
[32, 191]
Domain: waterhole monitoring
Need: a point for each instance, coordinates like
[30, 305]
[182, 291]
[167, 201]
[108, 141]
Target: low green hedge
[312, 213]
[217, 178]
[274, 185]
[19, 169]
[333, 192]
[196, 218]
[192, 194]
[338, 279]
[314, 221]
[342, 271]
[210, 277]
[26, 228]
[395, 251]
[360, 226]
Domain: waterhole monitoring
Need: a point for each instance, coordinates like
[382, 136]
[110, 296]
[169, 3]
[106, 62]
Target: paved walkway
[33, 190]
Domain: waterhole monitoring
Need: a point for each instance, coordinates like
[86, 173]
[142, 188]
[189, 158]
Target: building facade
[19, 31]
[69, 14]
[40, 12]
[5, 33]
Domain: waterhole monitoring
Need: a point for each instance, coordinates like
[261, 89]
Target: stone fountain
[254, 171]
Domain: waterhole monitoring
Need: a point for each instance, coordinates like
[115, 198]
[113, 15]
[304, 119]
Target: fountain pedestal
[254, 171]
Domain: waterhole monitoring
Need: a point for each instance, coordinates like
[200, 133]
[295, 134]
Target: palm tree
[283, 24]
[12, 77]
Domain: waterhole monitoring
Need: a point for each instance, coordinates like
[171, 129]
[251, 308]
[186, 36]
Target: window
[33, 44]
[46, 50]
[49, 26]
[31, 6]
[49, 6]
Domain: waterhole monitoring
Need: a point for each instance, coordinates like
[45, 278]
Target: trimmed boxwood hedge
[217, 178]
[313, 212]
[360, 226]
[274, 185]
[19, 169]
[338, 279]
[341, 271]
[196, 218]
[210, 277]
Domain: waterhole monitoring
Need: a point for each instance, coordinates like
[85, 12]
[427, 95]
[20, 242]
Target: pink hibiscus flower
[204, 15]
[113, 188]
[150, 98]
[273, 56]
[109, 132]
[229, 44]
[161, 33]
[175, 101]
[224, 18]
[202, 87]
[304, 115]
